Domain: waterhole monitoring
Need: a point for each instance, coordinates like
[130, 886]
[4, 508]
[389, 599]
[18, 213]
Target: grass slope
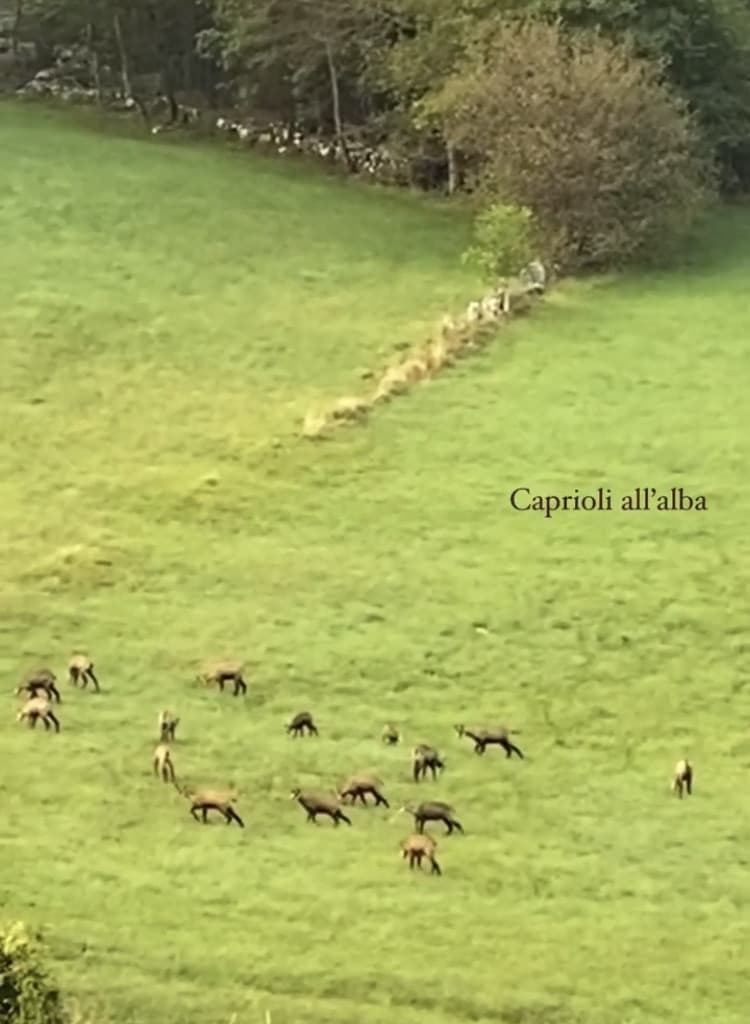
[167, 313]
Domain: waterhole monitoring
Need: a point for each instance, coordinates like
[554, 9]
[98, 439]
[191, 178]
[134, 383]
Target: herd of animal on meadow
[41, 692]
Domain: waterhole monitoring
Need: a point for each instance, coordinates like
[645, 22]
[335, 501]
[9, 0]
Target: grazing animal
[163, 763]
[81, 670]
[358, 786]
[390, 735]
[417, 846]
[219, 673]
[301, 721]
[683, 778]
[434, 810]
[424, 758]
[484, 738]
[167, 726]
[316, 803]
[204, 800]
[40, 679]
[38, 707]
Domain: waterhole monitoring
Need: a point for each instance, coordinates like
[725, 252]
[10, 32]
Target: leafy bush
[504, 241]
[26, 993]
[704, 44]
[583, 133]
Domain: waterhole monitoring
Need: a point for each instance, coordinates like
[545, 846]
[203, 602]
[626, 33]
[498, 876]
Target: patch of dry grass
[455, 338]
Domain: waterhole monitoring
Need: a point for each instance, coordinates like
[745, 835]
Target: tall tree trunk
[336, 102]
[452, 170]
[93, 61]
[188, 26]
[166, 86]
[16, 29]
[124, 63]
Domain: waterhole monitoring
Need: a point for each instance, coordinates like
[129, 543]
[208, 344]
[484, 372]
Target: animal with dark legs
[167, 725]
[81, 670]
[219, 673]
[487, 737]
[163, 763]
[433, 810]
[35, 708]
[317, 803]
[682, 778]
[390, 735]
[359, 786]
[302, 721]
[417, 846]
[40, 681]
[203, 799]
[424, 759]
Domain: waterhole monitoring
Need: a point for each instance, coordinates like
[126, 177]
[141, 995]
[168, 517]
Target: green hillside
[169, 313]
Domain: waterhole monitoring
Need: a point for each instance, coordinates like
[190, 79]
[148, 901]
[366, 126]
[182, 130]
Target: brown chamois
[38, 707]
[424, 758]
[484, 738]
[203, 799]
[301, 721]
[433, 810]
[163, 763]
[358, 786]
[40, 679]
[417, 846]
[81, 670]
[390, 735]
[218, 673]
[167, 725]
[683, 778]
[317, 803]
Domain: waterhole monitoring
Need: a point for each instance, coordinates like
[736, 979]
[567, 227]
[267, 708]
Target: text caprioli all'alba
[640, 499]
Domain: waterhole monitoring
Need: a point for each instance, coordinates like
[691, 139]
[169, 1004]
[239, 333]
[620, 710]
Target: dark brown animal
[301, 721]
[390, 735]
[484, 738]
[359, 786]
[317, 803]
[425, 758]
[418, 846]
[40, 680]
[38, 707]
[203, 799]
[167, 726]
[163, 763]
[81, 670]
[683, 778]
[433, 810]
[219, 673]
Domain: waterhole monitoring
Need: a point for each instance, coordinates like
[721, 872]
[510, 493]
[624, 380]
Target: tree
[706, 47]
[136, 36]
[584, 134]
[301, 43]
[27, 995]
[504, 241]
[426, 42]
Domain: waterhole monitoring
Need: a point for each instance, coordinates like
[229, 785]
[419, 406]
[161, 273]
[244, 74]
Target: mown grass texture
[169, 313]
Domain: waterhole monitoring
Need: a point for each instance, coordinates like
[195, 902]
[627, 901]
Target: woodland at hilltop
[369, 63]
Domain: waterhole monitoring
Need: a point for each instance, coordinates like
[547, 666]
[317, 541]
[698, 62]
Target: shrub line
[456, 338]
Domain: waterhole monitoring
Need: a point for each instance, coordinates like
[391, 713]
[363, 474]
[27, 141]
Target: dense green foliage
[27, 995]
[367, 62]
[582, 133]
[706, 45]
[505, 239]
[169, 313]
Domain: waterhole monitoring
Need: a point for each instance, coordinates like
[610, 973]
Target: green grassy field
[169, 312]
